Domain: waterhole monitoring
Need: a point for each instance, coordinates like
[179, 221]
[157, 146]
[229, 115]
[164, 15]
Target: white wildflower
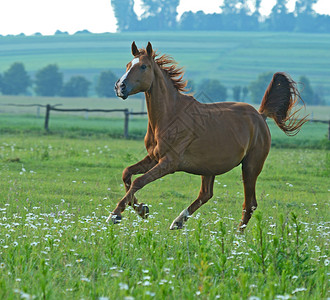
[123, 286]
[297, 290]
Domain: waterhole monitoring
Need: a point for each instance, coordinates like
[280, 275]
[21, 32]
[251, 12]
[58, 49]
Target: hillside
[235, 58]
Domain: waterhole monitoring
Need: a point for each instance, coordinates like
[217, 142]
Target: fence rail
[125, 111]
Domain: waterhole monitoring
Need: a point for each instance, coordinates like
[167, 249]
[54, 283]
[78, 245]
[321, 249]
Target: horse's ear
[149, 49]
[135, 50]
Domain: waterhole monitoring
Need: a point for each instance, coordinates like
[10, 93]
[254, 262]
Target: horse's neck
[161, 100]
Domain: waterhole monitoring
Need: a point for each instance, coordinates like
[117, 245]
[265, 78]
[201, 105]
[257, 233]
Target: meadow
[20, 120]
[235, 58]
[57, 190]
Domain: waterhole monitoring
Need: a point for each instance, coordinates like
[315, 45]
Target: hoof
[180, 220]
[144, 211]
[241, 228]
[114, 219]
[176, 225]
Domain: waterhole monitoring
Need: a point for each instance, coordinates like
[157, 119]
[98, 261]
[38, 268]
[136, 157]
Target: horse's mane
[170, 66]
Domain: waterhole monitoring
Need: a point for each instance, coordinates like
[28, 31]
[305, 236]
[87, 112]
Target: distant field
[135, 104]
[235, 58]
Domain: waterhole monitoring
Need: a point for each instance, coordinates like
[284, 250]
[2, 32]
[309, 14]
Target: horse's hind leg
[205, 194]
[251, 167]
[141, 167]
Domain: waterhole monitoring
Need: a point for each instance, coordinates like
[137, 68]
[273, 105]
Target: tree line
[48, 81]
[236, 15]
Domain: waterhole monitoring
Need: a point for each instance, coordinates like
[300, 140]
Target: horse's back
[241, 121]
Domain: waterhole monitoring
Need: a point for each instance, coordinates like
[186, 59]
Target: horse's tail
[280, 97]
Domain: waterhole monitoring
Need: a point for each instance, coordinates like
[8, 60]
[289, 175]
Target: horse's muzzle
[121, 89]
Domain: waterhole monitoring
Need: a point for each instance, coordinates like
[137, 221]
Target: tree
[125, 15]
[304, 7]
[237, 93]
[305, 15]
[280, 19]
[163, 13]
[214, 90]
[257, 8]
[245, 92]
[230, 7]
[0, 82]
[238, 16]
[257, 88]
[306, 93]
[15, 80]
[200, 21]
[105, 84]
[49, 81]
[77, 86]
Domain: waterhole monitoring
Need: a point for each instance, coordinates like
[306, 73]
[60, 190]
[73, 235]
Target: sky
[47, 16]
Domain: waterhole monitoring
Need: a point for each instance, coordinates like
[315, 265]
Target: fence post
[329, 130]
[126, 112]
[47, 117]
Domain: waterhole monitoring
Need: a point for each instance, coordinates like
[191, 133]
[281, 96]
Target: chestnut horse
[203, 139]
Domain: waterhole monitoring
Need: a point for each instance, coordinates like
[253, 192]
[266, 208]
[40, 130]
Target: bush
[213, 90]
[257, 88]
[49, 81]
[105, 84]
[77, 86]
[15, 80]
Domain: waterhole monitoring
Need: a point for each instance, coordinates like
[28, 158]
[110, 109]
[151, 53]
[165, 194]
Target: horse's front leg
[141, 167]
[164, 167]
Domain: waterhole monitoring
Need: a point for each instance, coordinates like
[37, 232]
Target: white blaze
[134, 62]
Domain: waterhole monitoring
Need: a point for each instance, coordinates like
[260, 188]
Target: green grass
[55, 193]
[75, 125]
[133, 103]
[235, 58]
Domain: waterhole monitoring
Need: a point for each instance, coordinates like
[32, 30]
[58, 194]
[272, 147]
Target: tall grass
[55, 193]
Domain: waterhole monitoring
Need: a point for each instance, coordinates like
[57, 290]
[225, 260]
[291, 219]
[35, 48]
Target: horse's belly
[211, 162]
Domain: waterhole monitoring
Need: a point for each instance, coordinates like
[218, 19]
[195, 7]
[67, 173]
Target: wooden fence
[125, 111]
[50, 108]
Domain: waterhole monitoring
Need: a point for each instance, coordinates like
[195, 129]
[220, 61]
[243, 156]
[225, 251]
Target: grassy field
[312, 135]
[55, 193]
[235, 58]
[133, 103]
[25, 119]
[57, 188]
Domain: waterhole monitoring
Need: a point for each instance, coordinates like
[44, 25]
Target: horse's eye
[143, 67]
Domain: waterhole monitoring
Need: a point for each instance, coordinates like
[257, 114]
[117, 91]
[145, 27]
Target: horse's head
[139, 73]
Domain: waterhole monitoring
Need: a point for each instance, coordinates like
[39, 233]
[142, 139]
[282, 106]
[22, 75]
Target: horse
[202, 139]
